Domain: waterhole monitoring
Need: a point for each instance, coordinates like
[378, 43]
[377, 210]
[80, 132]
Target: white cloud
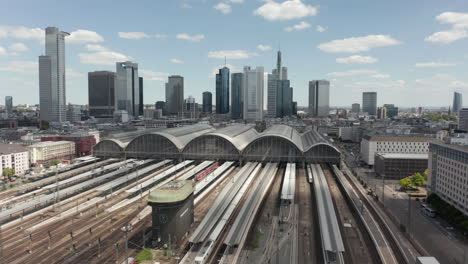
[380, 76]
[236, 1]
[264, 47]
[433, 64]
[358, 44]
[223, 8]
[301, 26]
[133, 35]
[18, 47]
[321, 29]
[287, 10]
[21, 32]
[447, 37]
[351, 73]
[83, 36]
[231, 54]
[442, 80]
[194, 38]
[459, 22]
[29, 67]
[150, 75]
[3, 51]
[357, 59]
[102, 56]
[177, 61]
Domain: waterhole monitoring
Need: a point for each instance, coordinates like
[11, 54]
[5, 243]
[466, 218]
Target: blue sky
[413, 53]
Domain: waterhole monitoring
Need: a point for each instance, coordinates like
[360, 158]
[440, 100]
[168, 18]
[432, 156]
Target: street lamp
[126, 229]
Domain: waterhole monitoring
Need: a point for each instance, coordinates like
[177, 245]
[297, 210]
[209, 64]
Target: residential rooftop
[11, 148]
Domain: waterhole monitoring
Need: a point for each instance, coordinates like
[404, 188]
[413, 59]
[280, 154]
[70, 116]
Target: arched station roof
[238, 135]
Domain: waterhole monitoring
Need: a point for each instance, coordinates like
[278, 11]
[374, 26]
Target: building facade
[457, 102]
[283, 98]
[355, 108]
[448, 174]
[52, 89]
[319, 98]
[84, 142]
[237, 98]
[161, 105]
[463, 119]
[370, 146]
[174, 94]
[369, 103]
[14, 156]
[44, 152]
[207, 106]
[140, 94]
[101, 93]
[253, 93]
[277, 74]
[127, 88]
[222, 91]
[398, 166]
[9, 105]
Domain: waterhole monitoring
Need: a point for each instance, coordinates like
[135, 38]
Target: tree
[54, 162]
[425, 174]
[406, 183]
[9, 172]
[418, 179]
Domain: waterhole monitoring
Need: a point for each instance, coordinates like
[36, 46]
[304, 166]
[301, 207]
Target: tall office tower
[175, 94]
[9, 105]
[294, 108]
[356, 108]
[127, 90]
[222, 91]
[283, 98]
[237, 98]
[101, 93]
[463, 119]
[390, 110]
[280, 73]
[253, 93]
[207, 102]
[319, 98]
[140, 93]
[382, 112]
[161, 105]
[52, 92]
[457, 102]
[369, 103]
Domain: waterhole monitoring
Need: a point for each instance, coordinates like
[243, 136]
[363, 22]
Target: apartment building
[14, 156]
[44, 152]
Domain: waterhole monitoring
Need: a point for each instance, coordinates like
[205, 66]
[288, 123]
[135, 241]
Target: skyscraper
[127, 89]
[161, 105]
[222, 91]
[207, 102]
[237, 97]
[9, 105]
[319, 98]
[52, 92]
[175, 94]
[253, 93]
[278, 74]
[283, 98]
[101, 93]
[463, 119]
[140, 93]
[356, 108]
[457, 102]
[369, 103]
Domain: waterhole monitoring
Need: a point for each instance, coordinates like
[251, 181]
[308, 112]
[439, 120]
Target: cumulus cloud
[18, 47]
[83, 36]
[150, 75]
[380, 76]
[177, 61]
[27, 67]
[433, 64]
[236, 1]
[133, 35]
[264, 47]
[231, 54]
[321, 29]
[357, 59]
[3, 51]
[358, 44]
[21, 32]
[223, 8]
[300, 26]
[100, 55]
[194, 38]
[459, 30]
[352, 73]
[287, 10]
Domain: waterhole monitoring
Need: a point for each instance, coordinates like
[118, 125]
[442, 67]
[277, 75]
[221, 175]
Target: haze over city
[392, 47]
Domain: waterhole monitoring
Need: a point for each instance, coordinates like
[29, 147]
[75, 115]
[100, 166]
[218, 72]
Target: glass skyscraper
[319, 98]
[253, 93]
[237, 97]
[52, 92]
[369, 103]
[207, 102]
[9, 105]
[101, 93]
[222, 91]
[127, 91]
[457, 102]
[175, 94]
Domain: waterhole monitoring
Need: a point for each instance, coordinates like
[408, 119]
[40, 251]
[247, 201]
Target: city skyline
[316, 40]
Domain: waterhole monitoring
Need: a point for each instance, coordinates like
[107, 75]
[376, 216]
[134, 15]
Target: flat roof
[171, 192]
[403, 155]
[400, 139]
[11, 148]
[51, 143]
